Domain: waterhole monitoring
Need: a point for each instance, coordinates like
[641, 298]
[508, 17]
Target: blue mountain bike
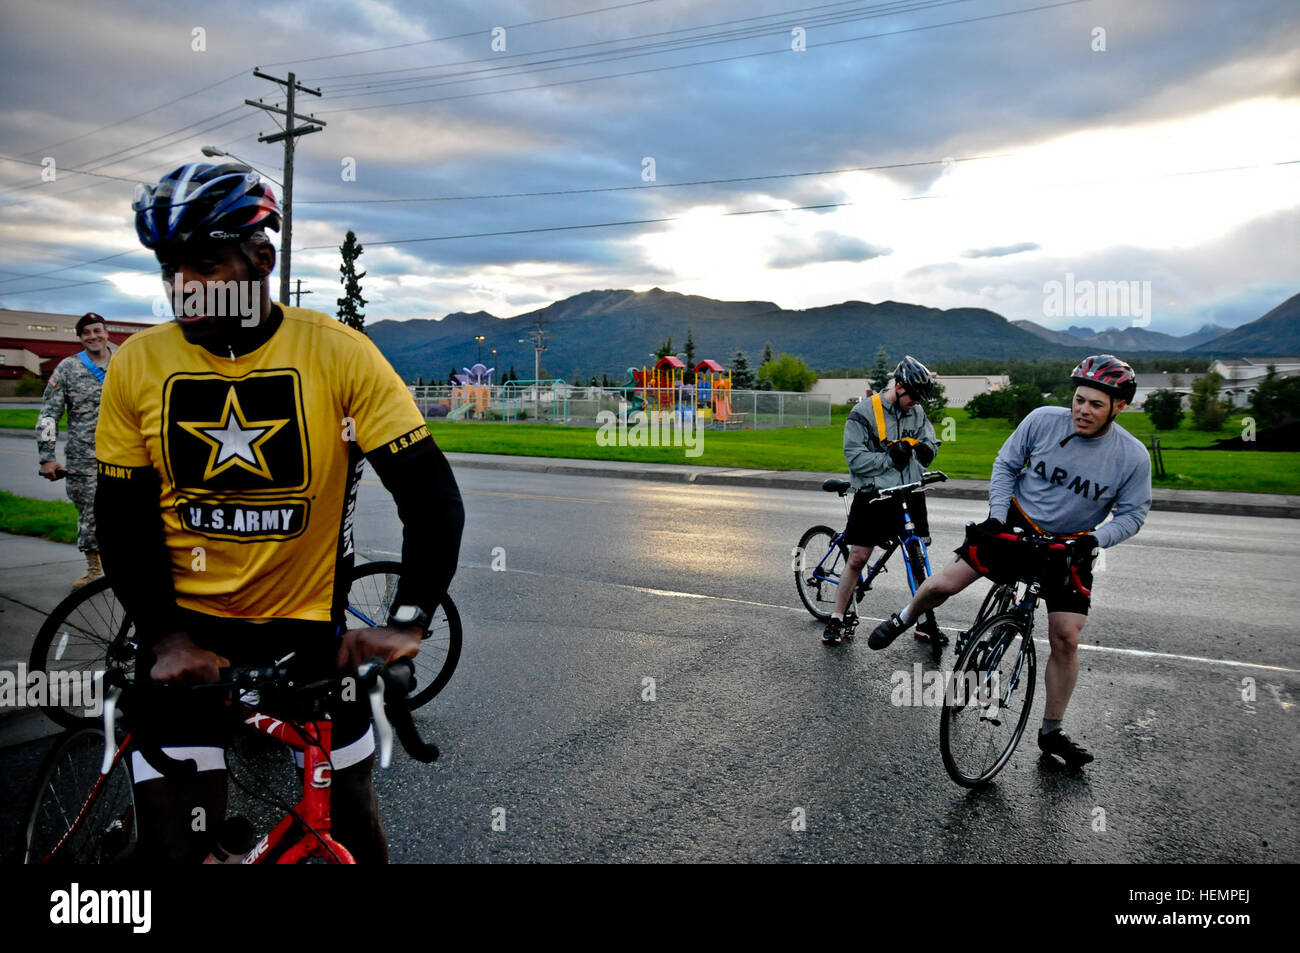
[822, 554]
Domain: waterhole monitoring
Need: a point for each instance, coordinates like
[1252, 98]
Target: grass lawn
[25, 419]
[968, 452]
[53, 519]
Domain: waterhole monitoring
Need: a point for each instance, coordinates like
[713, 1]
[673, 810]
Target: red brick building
[33, 342]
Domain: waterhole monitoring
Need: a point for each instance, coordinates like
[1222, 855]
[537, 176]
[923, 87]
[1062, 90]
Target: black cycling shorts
[878, 524]
[1003, 563]
[198, 725]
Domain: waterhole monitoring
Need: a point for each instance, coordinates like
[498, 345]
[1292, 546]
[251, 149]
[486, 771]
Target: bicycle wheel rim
[85, 634]
[815, 578]
[101, 820]
[370, 596]
[987, 701]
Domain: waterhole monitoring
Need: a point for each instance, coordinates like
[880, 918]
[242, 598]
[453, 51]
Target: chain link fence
[557, 402]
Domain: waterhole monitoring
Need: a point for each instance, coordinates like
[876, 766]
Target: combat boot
[93, 571]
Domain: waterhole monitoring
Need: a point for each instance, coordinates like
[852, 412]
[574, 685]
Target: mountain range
[609, 331]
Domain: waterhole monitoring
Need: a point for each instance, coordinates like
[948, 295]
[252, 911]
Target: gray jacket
[869, 464]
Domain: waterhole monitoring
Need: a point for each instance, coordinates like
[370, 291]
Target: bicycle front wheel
[819, 562]
[987, 700]
[86, 633]
[79, 816]
[371, 596]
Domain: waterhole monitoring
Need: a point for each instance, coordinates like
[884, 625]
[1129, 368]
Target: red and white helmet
[1108, 374]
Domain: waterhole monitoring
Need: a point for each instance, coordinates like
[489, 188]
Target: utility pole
[299, 293]
[538, 339]
[287, 135]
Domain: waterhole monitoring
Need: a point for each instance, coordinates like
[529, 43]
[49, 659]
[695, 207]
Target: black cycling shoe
[887, 631]
[834, 632]
[1057, 742]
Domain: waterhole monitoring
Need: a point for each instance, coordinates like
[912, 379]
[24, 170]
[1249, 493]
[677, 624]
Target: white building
[1242, 375]
[958, 388]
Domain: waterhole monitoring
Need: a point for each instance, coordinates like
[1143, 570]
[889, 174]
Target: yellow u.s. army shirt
[258, 457]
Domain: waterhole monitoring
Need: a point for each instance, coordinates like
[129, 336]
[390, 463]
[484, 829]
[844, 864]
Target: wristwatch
[407, 616]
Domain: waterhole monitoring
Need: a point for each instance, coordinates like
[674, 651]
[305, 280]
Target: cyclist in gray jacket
[1061, 473]
[888, 441]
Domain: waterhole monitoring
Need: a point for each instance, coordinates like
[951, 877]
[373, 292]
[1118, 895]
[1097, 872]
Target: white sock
[838, 615]
[904, 616]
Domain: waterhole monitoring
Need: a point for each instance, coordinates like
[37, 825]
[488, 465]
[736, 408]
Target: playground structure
[709, 399]
[664, 389]
[471, 393]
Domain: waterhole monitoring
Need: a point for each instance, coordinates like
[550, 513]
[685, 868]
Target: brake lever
[382, 726]
[110, 729]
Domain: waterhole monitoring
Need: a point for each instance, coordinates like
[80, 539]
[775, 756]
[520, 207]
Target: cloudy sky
[958, 152]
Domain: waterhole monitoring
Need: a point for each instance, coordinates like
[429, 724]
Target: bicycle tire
[87, 632]
[74, 820]
[370, 596]
[818, 594]
[999, 640]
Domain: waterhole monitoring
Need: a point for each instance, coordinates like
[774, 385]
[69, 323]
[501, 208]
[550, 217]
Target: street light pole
[478, 339]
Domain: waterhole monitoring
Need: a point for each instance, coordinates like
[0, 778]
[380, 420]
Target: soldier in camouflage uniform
[75, 387]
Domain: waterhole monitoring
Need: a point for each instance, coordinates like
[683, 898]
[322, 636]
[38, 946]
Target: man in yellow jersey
[231, 442]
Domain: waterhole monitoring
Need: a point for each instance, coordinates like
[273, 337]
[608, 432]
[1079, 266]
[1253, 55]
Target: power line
[119, 122]
[64, 170]
[497, 57]
[797, 208]
[461, 36]
[650, 49]
[655, 185]
[722, 59]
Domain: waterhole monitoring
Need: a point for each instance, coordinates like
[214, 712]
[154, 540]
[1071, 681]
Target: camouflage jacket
[72, 388]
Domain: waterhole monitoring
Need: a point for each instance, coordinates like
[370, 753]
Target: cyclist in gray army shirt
[75, 386]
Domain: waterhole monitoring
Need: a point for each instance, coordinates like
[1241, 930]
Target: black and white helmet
[914, 379]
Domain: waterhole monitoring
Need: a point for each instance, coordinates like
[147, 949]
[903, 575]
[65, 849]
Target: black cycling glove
[992, 526]
[900, 453]
[923, 454]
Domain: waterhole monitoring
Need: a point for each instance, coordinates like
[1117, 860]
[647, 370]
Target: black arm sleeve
[130, 531]
[432, 515]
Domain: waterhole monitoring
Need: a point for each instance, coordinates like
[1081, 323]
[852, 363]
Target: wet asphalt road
[755, 725]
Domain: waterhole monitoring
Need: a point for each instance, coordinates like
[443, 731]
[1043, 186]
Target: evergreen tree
[690, 356]
[351, 303]
[665, 349]
[881, 372]
[765, 383]
[742, 376]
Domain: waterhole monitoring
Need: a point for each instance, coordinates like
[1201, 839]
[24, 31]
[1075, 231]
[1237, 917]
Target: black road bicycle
[989, 693]
[90, 632]
[822, 555]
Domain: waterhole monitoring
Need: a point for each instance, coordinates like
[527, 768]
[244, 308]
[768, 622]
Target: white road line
[676, 594]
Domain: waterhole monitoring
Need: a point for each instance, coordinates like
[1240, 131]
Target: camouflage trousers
[81, 490]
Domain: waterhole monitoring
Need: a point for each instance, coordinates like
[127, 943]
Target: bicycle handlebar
[933, 476]
[387, 687]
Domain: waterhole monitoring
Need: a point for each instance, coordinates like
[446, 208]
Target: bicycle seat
[837, 486]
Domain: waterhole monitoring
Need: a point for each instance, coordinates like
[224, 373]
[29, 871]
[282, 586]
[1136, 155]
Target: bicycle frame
[313, 811]
[901, 540]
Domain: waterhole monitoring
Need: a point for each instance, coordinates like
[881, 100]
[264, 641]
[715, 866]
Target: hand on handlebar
[181, 662]
[384, 643]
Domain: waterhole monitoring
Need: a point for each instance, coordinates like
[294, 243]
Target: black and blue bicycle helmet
[202, 202]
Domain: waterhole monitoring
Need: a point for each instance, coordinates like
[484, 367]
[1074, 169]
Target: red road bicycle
[84, 806]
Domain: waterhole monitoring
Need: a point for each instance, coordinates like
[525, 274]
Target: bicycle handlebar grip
[415, 746]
